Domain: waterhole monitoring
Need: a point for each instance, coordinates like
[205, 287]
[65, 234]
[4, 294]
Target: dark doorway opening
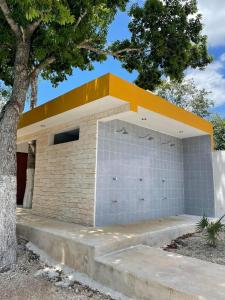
[21, 176]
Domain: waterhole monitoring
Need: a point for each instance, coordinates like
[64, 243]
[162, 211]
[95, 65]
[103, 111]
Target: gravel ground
[195, 245]
[32, 279]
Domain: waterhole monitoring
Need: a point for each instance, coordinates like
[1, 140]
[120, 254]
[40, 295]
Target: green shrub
[211, 229]
[202, 224]
[212, 232]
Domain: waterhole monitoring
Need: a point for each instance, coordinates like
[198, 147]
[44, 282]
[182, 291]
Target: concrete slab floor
[121, 258]
[156, 274]
[100, 236]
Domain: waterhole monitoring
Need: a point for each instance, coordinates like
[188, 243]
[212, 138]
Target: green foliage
[64, 26]
[212, 232]
[211, 229]
[165, 38]
[169, 32]
[202, 224]
[185, 94]
[47, 11]
[219, 132]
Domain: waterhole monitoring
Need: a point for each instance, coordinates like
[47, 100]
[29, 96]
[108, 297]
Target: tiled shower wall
[139, 174]
[198, 176]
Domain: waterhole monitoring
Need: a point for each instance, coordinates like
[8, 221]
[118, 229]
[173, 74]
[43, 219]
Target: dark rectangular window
[67, 136]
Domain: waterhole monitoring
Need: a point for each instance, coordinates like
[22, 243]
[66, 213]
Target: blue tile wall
[137, 178]
[198, 176]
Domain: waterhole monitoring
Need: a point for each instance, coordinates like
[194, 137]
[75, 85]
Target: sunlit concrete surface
[110, 238]
[152, 273]
[122, 257]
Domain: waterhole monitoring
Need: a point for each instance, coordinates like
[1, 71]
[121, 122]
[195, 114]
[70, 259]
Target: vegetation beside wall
[219, 132]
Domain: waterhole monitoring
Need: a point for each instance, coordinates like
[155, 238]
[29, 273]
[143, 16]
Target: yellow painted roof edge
[84, 94]
[139, 97]
[112, 85]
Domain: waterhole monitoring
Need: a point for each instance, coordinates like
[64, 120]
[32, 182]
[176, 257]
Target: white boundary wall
[219, 181]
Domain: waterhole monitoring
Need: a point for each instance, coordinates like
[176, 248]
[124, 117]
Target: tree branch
[32, 27]
[117, 54]
[42, 65]
[12, 23]
[80, 18]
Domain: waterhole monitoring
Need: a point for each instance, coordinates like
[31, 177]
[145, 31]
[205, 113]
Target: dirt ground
[27, 281]
[195, 245]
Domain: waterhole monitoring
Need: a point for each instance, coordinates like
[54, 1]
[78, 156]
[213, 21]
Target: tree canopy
[187, 95]
[165, 38]
[219, 132]
[169, 34]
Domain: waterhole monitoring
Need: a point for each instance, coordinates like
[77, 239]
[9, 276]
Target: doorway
[21, 176]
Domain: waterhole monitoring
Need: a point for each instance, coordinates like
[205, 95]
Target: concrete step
[114, 256]
[142, 272]
[101, 240]
[154, 233]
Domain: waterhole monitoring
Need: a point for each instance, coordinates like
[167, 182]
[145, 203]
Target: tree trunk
[28, 196]
[9, 117]
[8, 188]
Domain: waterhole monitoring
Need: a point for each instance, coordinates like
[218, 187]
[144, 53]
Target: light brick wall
[65, 174]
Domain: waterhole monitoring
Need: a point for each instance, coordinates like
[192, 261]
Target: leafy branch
[118, 54]
[38, 68]
[80, 18]
[8, 16]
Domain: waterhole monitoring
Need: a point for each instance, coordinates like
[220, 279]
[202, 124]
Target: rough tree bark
[9, 117]
[28, 196]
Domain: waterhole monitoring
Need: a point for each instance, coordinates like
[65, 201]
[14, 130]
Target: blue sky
[213, 78]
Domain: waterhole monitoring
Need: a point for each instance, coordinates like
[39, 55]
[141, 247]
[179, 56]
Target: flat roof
[111, 85]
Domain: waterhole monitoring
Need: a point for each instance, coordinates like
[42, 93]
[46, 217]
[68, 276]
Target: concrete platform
[151, 273]
[122, 258]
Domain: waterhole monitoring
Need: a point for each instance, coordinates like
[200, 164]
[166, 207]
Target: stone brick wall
[65, 174]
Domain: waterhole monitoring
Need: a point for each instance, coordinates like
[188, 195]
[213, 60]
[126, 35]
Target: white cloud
[211, 79]
[213, 17]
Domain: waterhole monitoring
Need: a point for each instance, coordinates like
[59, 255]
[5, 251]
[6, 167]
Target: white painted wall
[219, 181]
[22, 147]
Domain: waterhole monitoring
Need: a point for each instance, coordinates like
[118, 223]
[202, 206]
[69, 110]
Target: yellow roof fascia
[112, 85]
[138, 97]
[84, 94]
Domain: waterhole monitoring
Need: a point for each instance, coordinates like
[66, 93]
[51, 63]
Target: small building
[109, 152]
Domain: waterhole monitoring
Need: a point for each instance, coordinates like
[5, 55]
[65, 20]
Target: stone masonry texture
[65, 174]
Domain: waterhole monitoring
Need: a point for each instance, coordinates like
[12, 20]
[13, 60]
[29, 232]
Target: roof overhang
[107, 92]
[157, 122]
